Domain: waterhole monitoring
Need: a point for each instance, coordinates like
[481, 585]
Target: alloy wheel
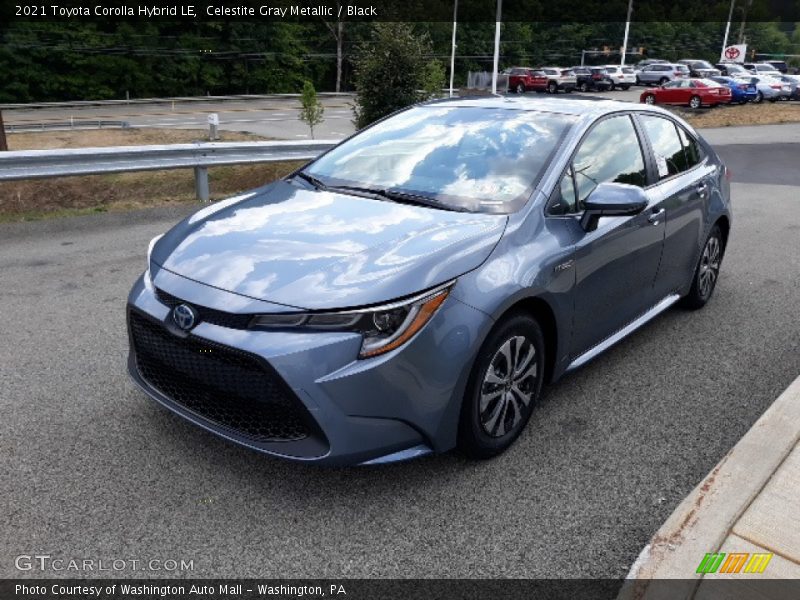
[695, 102]
[508, 386]
[649, 99]
[520, 89]
[709, 267]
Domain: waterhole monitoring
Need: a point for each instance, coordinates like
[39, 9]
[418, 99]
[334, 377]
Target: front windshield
[467, 158]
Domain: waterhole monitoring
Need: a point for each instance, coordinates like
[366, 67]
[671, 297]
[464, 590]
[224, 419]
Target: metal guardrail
[36, 164]
[71, 124]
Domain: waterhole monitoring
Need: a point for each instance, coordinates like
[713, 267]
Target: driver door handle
[655, 218]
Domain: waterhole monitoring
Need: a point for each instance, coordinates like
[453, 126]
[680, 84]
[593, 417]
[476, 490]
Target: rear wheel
[650, 99]
[759, 98]
[613, 87]
[552, 87]
[504, 386]
[584, 87]
[695, 102]
[625, 87]
[707, 271]
[520, 88]
[663, 80]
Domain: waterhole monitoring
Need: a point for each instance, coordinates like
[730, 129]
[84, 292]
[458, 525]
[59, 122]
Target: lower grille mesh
[232, 389]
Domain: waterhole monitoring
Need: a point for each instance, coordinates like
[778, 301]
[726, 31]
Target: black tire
[638, 81]
[625, 87]
[650, 99]
[493, 413]
[759, 98]
[663, 80]
[552, 87]
[695, 102]
[706, 273]
[520, 88]
[613, 87]
[584, 87]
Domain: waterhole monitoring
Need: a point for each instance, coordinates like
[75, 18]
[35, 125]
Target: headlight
[150, 248]
[383, 328]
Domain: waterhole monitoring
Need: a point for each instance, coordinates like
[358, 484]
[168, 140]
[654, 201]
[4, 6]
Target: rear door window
[667, 147]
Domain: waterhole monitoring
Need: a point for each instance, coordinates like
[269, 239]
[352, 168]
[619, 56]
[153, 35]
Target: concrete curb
[704, 519]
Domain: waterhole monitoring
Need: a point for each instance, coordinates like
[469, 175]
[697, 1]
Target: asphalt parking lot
[90, 468]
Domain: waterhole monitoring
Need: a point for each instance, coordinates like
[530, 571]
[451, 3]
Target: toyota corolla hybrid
[412, 289]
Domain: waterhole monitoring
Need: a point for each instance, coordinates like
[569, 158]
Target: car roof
[579, 106]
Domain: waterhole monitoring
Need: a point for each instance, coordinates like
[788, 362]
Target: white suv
[623, 77]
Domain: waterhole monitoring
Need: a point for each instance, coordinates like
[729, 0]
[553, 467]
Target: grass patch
[101, 138]
[766, 113]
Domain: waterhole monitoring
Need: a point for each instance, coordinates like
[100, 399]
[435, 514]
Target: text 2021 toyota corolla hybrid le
[412, 289]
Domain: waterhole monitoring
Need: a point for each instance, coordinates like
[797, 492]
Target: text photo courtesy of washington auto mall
[431, 299]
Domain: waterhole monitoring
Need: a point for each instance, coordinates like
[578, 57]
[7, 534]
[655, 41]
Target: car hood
[313, 249]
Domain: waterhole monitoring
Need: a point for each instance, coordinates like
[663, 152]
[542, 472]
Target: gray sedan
[413, 289]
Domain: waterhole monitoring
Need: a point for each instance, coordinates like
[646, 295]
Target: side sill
[622, 333]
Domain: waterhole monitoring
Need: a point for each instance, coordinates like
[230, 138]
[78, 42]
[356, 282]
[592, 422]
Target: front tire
[695, 102]
[504, 386]
[707, 271]
[650, 99]
[625, 88]
[759, 98]
[584, 87]
[520, 88]
[552, 88]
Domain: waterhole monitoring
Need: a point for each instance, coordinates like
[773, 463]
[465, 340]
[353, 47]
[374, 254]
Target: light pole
[496, 45]
[727, 31]
[453, 51]
[627, 29]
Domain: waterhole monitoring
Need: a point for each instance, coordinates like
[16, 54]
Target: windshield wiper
[417, 199]
[312, 180]
[388, 194]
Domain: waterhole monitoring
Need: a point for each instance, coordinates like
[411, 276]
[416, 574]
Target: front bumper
[392, 407]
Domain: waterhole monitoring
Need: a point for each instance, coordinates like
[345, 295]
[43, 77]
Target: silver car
[661, 73]
[769, 88]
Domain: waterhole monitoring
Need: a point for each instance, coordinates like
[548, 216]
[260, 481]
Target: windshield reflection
[481, 159]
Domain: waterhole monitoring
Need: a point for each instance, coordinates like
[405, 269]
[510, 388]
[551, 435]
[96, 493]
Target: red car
[523, 79]
[688, 92]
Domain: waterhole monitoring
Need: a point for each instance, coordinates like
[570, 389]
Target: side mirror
[612, 200]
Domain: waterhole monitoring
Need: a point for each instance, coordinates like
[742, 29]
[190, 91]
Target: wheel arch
[539, 309]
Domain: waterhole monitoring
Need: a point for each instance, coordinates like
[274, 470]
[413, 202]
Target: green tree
[392, 71]
[312, 109]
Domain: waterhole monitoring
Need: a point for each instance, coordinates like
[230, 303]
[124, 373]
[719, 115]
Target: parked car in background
[761, 69]
[731, 69]
[793, 81]
[693, 93]
[646, 62]
[621, 77]
[700, 68]
[523, 79]
[780, 65]
[559, 79]
[590, 79]
[769, 88]
[662, 73]
[741, 91]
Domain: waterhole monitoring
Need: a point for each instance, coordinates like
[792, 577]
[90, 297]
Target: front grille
[209, 315]
[231, 389]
